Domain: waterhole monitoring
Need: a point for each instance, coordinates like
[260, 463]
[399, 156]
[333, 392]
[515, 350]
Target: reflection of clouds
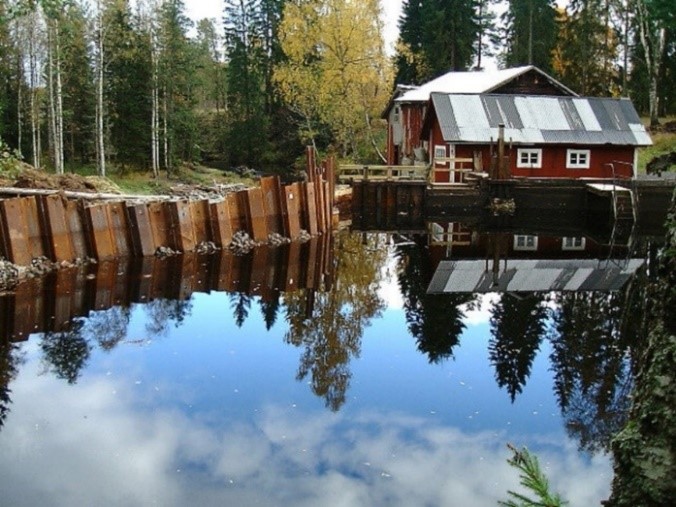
[482, 313]
[95, 447]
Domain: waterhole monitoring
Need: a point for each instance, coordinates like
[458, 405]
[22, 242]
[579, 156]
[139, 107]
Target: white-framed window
[529, 158]
[525, 242]
[396, 114]
[573, 243]
[577, 159]
[440, 152]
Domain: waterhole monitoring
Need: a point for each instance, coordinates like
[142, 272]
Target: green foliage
[436, 36]
[530, 33]
[533, 479]
[10, 161]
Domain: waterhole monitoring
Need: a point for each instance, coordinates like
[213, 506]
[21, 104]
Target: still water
[319, 374]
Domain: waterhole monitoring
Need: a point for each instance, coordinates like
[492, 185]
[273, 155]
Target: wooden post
[311, 202]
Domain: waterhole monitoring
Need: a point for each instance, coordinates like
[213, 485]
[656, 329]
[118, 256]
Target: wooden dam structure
[62, 228]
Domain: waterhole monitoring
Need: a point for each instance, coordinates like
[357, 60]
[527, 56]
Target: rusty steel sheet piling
[292, 207]
[36, 240]
[311, 203]
[140, 230]
[55, 225]
[181, 223]
[272, 201]
[78, 234]
[256, 213]
[120, 230]
[16, 246]
[159, 224]
[221, 227]
[101, 241]
[201, 221]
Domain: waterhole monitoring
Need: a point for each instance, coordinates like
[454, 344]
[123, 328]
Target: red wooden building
[407, 108]
[544, 136]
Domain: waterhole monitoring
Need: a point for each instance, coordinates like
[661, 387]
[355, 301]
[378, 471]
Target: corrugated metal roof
[471, 276]
[473, 118]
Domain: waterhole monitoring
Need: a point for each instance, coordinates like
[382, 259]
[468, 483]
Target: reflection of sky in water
[213, 415]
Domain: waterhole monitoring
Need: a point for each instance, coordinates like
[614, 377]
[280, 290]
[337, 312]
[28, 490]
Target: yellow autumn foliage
[336, 70]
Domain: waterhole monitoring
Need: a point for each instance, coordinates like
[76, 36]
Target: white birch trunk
[100, 143]
[59, 104]
[653, 40]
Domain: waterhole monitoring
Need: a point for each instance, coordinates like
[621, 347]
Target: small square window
[440, 152]
[525, 242]
[577, 159]
[529, 158]
[573, 243]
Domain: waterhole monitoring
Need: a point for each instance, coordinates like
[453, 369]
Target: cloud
[101, 443]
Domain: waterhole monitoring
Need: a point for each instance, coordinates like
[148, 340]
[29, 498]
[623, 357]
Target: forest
[116, 85]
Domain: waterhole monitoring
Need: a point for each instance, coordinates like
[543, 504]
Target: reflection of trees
[592, 337]
[434, 320]
[332, 336]
[9, 363]
[66, 353]
[240, 302]
[108, 327]
[270, 310]
[161, 312]
[518, 324]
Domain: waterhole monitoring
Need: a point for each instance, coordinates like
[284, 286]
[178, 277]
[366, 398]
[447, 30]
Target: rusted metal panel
[140, 230]
[183, 234]
[311, 203]
[98, 225]
[221, 227]
[256, 212]
[321, 205]
[16, 246]
[200, 219]
[292, 201]
[159, 223]
[233, 201]
[36, 239]
[78, 235]
[120, 228]
[272, 202]
[60, 246]
[328, 207]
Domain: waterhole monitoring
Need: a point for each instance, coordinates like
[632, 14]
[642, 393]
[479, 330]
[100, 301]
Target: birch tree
[336, 70]
[653, 17]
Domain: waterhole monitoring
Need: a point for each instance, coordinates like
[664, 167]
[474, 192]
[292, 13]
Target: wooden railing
[454, 172]
[355, 172]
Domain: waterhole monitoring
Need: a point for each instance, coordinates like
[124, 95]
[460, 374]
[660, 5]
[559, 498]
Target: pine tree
[530, 33]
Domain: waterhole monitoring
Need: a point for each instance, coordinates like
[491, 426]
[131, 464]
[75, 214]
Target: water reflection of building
[50, 304]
